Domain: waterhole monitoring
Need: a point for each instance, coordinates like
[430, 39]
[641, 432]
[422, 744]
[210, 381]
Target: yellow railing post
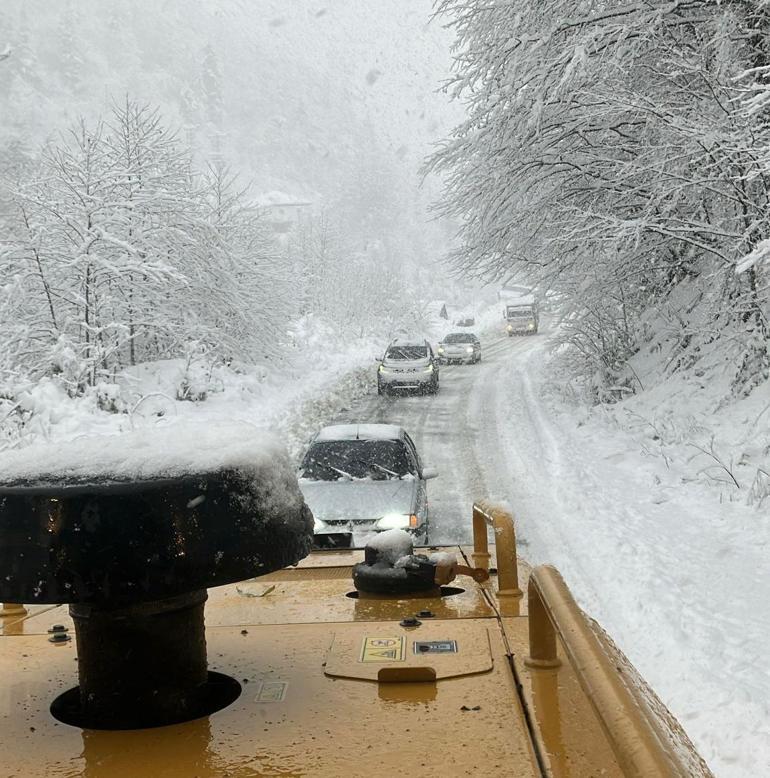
[641, 748]
[12, 609]
[505, 547]
[542, 635]
[480, 555]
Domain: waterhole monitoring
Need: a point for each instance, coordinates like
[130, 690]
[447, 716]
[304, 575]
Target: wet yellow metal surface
[567, 726]
[346, 656]
[310, 704]
[506, 606]
[322, 727]
[22, 624]
[342, 558]
[314, 592]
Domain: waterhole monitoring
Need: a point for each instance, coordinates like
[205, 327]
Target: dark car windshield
[407, 352]
[459, 337]
[334, 459]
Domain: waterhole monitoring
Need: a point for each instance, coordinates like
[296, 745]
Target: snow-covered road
[451, 434]
[653, 565]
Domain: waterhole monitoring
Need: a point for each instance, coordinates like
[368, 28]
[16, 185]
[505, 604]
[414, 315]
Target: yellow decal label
[272, 691]
[382, 649]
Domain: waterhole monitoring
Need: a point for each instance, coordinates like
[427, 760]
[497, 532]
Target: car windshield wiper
[336, 470]
[375, 466]
[382, 469]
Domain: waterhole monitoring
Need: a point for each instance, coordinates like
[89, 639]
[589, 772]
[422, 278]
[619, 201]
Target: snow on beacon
[170, 451]
[391, 545]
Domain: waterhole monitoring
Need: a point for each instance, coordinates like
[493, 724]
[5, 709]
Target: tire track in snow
[643, 569]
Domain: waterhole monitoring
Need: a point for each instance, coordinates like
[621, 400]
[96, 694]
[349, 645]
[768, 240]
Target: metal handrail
[641, 749]
[486, 515]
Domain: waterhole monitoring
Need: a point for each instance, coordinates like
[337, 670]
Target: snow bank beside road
[652, 545]
[291, 399]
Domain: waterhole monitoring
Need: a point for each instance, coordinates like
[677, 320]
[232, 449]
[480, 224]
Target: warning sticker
[382, 649]
[272, 691]
[435, 646]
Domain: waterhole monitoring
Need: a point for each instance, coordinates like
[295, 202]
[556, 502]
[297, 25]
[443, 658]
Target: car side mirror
[429, 472]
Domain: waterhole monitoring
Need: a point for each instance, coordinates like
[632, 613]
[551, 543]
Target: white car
[408, 364]
[358, 479]
[460, 347]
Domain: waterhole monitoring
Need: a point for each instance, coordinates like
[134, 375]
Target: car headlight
[397, 521]
[469, 349]
[383, 369]
[531, 326]
[440, 349]
[429, 369]
[318, 525]
[509, 328]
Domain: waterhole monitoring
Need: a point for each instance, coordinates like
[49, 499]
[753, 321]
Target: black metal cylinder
[142, 665]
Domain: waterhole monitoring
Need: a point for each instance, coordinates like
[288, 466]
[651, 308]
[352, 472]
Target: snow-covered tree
[119, 253]
[248, 289]
[607, 155]
[357, 291]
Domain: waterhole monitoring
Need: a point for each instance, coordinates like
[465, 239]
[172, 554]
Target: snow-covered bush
[195, 381]
[108, 398]
[67, 365]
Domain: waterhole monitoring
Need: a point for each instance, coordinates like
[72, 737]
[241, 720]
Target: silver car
[363, 478]
[408, 364]
[460, 347]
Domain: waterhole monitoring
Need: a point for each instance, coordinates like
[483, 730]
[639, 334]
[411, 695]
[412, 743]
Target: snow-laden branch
[759, 255]
[599, 136]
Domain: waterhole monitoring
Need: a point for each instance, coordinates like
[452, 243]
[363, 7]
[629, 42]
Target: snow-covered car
[359, 479]
[459, 347]
[408, 364]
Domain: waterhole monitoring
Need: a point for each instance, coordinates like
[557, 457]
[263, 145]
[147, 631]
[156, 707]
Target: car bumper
[406, 380]
[457, 356]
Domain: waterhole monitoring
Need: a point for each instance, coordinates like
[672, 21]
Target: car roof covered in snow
[360, 432]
